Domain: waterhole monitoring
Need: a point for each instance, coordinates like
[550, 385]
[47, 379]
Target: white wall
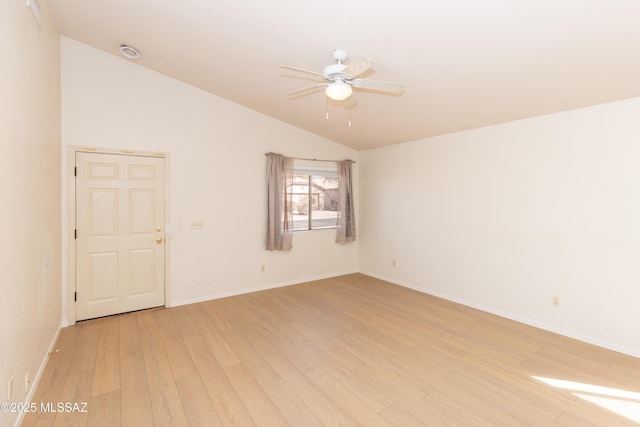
[504, 217]
[29, 194]
[217, 172]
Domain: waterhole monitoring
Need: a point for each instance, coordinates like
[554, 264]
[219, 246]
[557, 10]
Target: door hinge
[75, 171]
[75, 234]
[75, 296]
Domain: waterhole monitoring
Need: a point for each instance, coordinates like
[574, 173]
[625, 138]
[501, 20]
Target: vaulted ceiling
[464, 63]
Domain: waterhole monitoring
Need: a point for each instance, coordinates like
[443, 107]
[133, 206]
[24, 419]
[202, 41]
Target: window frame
[312, 170]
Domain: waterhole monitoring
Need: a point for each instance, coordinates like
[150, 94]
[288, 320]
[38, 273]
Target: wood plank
[337, 349]
[106, 375]
[165, 402]
[77, 390]
[355, 408]
[317, 402]
[197, 404]
[174, 346]
[395, 383]
[250, 358]
[211, 373]
[86, 349]
[232, 411]
[184, 322]
[211, 331]
[135, 403]
[105, 410]
[290, 405]
[351, 379]
[130, 344]
[255, 399]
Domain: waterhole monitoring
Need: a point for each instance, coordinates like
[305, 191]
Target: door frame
[71, 224]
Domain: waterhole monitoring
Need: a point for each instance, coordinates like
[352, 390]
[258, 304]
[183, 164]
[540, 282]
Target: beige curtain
[346, 214]
[279, 212]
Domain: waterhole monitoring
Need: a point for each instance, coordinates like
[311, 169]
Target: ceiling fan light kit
[338, 91]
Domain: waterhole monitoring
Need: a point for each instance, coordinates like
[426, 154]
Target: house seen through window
[314, 195]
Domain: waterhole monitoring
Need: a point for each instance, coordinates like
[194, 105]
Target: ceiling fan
[339, 78]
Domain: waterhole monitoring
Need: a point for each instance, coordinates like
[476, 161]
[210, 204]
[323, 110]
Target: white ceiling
[464, 63]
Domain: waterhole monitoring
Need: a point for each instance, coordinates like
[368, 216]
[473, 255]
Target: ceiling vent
[129, 52]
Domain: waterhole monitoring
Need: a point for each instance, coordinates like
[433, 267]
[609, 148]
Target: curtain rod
[317, 160]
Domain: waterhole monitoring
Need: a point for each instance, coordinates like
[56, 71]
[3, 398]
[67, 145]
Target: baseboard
[210, 297]
[512, 316]
[36, 379]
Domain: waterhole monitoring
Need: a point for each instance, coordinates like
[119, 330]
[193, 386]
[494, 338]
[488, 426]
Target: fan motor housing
[333, 71]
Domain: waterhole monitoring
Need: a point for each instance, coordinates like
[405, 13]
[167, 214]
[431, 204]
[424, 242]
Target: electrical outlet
[555, 301]
[27, 382]
[10, 389]
[393, 263]
[263, 268]
[197, 225]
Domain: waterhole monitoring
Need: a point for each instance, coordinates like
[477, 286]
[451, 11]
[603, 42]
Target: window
[314, 194]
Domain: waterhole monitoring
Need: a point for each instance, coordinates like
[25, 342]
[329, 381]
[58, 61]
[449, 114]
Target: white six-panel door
[119, 234]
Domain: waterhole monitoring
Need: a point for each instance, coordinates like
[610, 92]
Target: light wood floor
[352, 350]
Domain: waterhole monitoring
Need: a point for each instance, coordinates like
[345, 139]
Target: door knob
[158, 240]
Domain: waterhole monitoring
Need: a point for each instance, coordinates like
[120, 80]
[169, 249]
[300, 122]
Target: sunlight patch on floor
[622, 402]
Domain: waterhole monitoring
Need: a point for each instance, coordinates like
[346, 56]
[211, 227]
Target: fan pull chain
[326, 114]
[349, 117]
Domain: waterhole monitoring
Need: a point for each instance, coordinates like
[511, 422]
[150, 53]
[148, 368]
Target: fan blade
[378, 85]
[308, 88]
[357, 67]
[302, 70]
